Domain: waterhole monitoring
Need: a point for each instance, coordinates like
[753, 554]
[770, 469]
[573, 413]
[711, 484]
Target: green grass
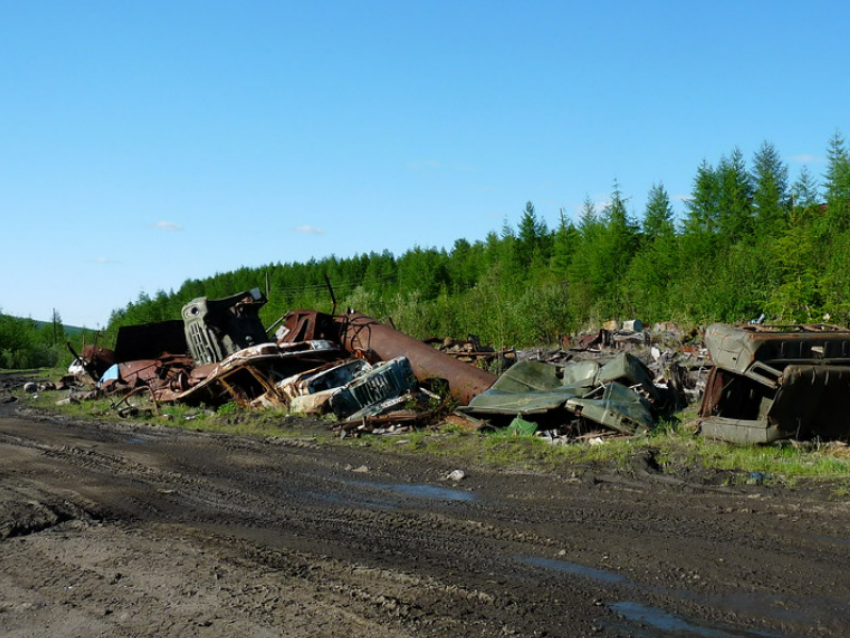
[228, 418]
[674, 447]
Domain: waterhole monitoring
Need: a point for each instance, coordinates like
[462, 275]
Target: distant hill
[70, 331]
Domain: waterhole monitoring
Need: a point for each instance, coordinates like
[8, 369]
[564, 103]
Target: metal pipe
[359, 333]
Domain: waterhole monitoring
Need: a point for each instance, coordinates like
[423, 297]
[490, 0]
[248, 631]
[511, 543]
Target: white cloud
[308, 230]
[103, 260]
[682, 198]
[806, 158]
[169, 226]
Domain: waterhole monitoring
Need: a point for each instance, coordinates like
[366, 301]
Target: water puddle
[420, 490]
[672, 626]
[675, 626]
[135, 439]
[355, 494]
[351, 500]
[426, 491]
[574, 568]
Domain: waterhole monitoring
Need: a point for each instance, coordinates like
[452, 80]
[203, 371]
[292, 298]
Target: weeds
[674, 446]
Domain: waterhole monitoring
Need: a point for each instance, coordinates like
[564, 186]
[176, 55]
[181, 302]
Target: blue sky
[144, 143]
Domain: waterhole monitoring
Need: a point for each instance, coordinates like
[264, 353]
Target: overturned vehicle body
[350, 366]
[775, 382]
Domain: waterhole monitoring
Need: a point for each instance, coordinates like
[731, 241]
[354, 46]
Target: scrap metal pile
[619, 380]
[362, 372]
[757, 385]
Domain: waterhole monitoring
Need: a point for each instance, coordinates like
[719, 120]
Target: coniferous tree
[770, 192]
[380, 272]
[532, 235]
[589, 224]
[621, 231]
[658, 218]
[564, 245]
[652, 272]
[608, 245]
[735, 199]
[460, 266]
[837, 183]
[512, 266]
[583, 267]
[702, 221]
[835, 276]
[804, 192]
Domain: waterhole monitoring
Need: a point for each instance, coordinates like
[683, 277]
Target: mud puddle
[424, 491]
[574, 568]
[421, 491]
[657, 623]
[765, 605]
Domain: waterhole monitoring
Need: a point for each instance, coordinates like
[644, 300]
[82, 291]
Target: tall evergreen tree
[621, 229]
[608, 243]
[465, 264]
[380, 271]
[804, 192]
[584, 267]
[770, 193]
[837, 183]
[532, 236]
[703, 207]
[512, 265]
[735, 201]
[564, 244]
[658, 218]
[652, 272]
[589, 224]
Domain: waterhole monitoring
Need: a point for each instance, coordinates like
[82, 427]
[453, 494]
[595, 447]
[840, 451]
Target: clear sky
[144, 143]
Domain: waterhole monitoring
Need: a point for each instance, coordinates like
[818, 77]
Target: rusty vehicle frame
[777, 381]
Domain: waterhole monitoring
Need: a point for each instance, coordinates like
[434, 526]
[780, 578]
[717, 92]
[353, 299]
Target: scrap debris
[472, 351]
[774, 382]
[754, 383]
[365, 374]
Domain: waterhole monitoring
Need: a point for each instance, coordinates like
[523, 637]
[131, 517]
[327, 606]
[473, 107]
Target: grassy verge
[674, 448]
[228, 418]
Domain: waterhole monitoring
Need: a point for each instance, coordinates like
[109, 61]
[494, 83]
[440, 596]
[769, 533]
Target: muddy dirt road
[128, 530]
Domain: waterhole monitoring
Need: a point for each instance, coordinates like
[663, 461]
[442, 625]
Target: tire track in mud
[520, 556]
[355, 528]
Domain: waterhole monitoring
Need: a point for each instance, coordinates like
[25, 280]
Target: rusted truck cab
[772, 382]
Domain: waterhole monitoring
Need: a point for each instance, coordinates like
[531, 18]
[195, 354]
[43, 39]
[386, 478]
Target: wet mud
[127, 529]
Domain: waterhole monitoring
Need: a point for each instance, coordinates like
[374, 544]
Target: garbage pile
[371, 377]
[753, 383]
[350, 366]
[619, 380]
[471, 350]
[619, 395]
